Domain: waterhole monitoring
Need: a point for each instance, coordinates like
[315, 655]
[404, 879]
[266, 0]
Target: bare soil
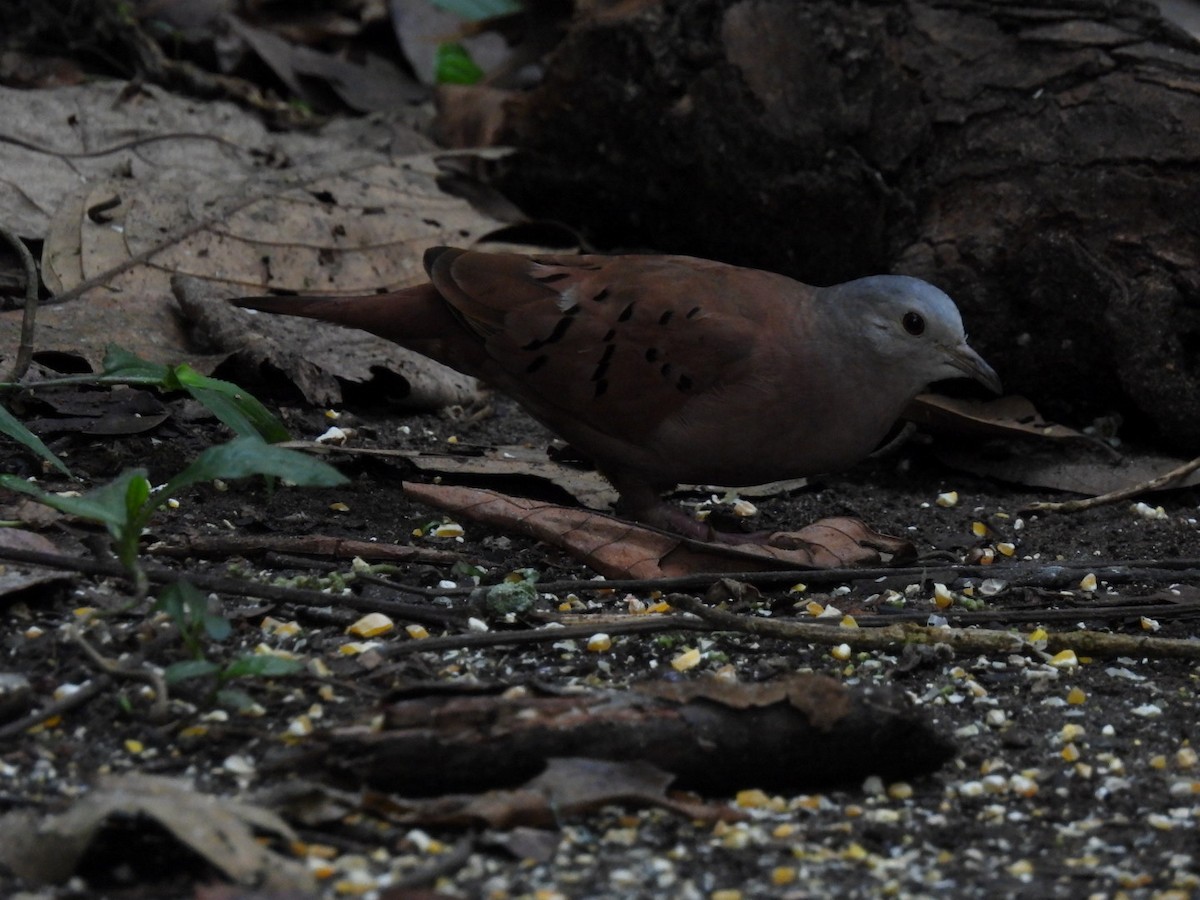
[1069, 781]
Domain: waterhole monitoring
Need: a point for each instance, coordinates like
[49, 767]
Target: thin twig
[145, 674]
[85, 694]
[124, 145]
[29, 317]
[1126, 493]
[241, 587]
[962, 640]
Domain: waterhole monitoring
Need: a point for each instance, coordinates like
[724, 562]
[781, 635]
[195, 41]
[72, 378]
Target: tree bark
[1040, 162]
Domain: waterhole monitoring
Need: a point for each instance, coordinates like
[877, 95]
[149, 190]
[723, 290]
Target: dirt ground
[1068, 780]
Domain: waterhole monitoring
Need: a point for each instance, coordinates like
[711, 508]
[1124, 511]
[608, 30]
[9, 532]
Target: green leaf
[232, 405]
[217, 627]
[234, 699]
[120, 363]
[10, 426]
[474, 10]
[188, 669]
[262, 665]
[246, 456]
[106, 504]
[453, 65]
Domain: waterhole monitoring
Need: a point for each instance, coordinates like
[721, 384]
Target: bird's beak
[971, 364]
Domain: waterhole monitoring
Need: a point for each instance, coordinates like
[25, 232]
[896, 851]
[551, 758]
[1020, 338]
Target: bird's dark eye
[914, 323]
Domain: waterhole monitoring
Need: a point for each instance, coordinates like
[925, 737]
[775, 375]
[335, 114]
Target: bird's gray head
[912, 327]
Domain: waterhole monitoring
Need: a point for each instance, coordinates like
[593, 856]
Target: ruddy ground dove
[668, 369]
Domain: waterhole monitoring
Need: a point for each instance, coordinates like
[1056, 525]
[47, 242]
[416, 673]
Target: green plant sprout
[189, 609]
[229, 403]
[125, 505]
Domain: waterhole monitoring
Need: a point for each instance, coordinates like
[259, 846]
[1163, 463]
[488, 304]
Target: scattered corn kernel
[841, 652]
[688, 659]
[301, 726]
[782, 875]
[1148, 512]
[1158, 762]
[134, 747]
[1064, 659]
[942, 598]
[1071, 732]
[1185, 758]
[1007, 548]
[1020, 868]
[416, 632]
[849, 622]
[813, 608]
[900, 790]
[752, 799]
[599, 643]
[1149, 624]
[1076, 696]
[798, 588]
[353, 648]
[449, 530]
[371, 625]
[947, 499]
[979, 529]
[339, 506]
[1070, 753]
[1088, 582]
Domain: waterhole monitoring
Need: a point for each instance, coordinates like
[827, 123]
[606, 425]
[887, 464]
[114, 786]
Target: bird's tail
[407, 316]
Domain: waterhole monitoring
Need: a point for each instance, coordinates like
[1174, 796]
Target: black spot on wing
[602, 296]
[601, 387]
[666, 317]
[684, 383]
[626, 313]
[602, 366]
[652, 354]
[537, 364]
[552, 277]
[692, 312]
[560, 328]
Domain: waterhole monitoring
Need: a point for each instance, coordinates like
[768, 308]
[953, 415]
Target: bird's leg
[643, 503]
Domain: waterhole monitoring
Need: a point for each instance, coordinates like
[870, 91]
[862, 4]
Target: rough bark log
[805, 731]
[1041, 162]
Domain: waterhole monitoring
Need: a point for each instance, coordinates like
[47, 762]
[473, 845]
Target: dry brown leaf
[193, 196]
[15, 577]
[1011, 415]
[46, 848]
[377, 85]
[620, 549]
[569, 787]
[316, 360]
[1080, 469]
[352, 225]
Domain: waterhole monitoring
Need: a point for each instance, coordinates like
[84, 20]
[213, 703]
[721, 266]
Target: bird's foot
[667, 517]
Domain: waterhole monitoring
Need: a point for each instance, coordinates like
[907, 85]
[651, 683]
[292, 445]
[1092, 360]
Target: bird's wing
[618, 344]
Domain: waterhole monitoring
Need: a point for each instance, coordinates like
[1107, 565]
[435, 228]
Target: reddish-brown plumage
[668, 368]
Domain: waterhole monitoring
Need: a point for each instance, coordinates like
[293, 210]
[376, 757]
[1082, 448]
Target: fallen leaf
[1080, 469]
[46, 848]
[315, 361]
[378, 85]
[17, 578]
[621, 549]
[1010, 415]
